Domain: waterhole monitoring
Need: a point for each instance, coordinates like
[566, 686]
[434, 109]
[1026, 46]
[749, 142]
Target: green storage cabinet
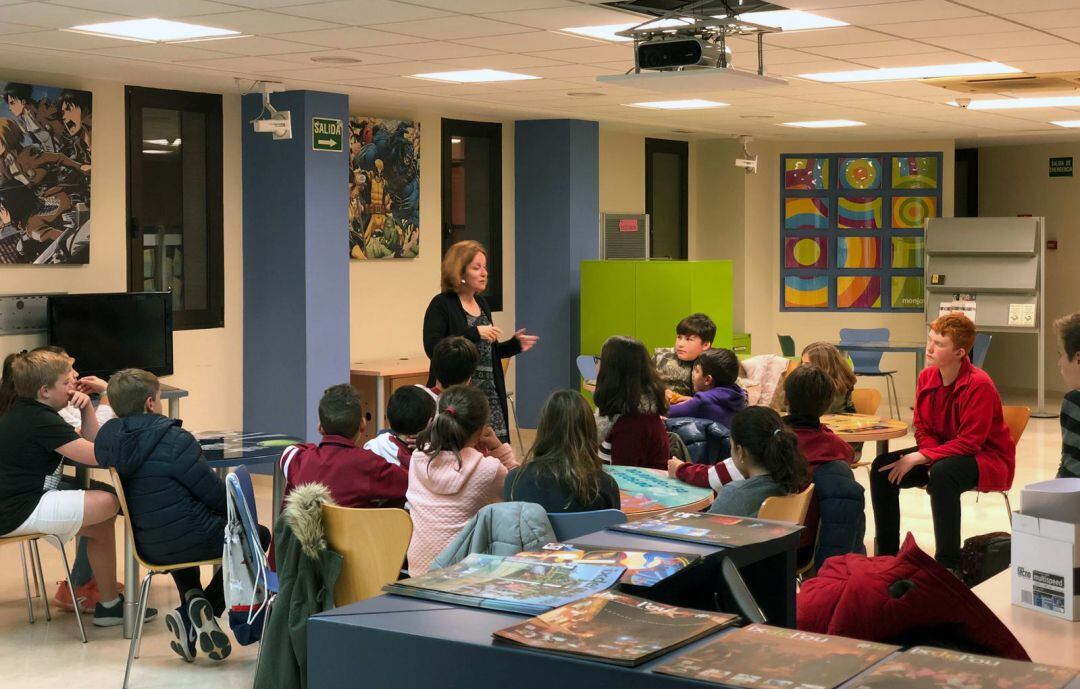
[740, 344]
[647, 299]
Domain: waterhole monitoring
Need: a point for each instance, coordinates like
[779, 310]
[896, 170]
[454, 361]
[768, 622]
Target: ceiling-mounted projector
[682, 52]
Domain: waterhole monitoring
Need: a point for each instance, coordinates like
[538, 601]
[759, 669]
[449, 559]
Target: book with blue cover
[643, 567]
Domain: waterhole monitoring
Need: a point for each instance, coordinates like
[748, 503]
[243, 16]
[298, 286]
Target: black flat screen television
[108, 332]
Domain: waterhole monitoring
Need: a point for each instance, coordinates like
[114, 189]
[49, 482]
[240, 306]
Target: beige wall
[622, 171]
[718, 212]
[1015, 180]
[208, 363]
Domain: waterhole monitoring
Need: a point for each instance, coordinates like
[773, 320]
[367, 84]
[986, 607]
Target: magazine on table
[923, 667]
[643, 567]
[711, 529]
[614, 628]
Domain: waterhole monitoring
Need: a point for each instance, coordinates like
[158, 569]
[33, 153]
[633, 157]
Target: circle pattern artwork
[807, 252]
[911, 212]
[861, 173]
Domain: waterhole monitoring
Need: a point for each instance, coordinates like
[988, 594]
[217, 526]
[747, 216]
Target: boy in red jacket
[963, 442]
[356, 477]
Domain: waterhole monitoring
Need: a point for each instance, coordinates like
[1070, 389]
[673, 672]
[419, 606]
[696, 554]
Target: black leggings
[945, 480]
[188, 579]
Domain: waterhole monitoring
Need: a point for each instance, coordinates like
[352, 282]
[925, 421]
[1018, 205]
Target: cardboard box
[1057, 499]
[1046, 566]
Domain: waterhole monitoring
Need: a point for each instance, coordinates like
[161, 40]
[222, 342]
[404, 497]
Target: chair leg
[262, 635]
[144, 597]
[133, 650]
[26, 584]
[71, 587]
[33, 569]
[517, 426]
[41, 579]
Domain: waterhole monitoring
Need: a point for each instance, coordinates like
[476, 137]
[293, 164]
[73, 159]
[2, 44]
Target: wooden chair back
[788, 508]
[1016, 418]
[372, 544]
[866, 400]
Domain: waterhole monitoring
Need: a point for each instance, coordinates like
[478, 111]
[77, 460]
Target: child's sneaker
[211, 640]
[182, 634]
[112, 615]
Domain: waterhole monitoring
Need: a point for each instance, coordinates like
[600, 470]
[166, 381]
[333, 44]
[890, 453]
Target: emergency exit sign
[326, 134]
[1061, 167]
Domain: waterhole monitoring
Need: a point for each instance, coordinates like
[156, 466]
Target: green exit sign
[326, 134]
[1061, 167]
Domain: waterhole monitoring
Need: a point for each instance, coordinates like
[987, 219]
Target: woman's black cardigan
[446, 317]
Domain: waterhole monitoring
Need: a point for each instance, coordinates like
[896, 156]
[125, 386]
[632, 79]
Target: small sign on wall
[326, 134]
[628, 225]
[1061, 167]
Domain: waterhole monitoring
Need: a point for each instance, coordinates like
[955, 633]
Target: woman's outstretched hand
[527, 341]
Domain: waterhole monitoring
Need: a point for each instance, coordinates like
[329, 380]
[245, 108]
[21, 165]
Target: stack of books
[711, 529]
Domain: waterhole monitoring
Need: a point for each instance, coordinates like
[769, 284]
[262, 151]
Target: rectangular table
[376, 380]
[916, 348]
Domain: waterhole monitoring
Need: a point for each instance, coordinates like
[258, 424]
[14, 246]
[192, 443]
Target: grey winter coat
[505, 528]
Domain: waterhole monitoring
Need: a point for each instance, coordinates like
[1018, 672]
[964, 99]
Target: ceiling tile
[259, 45]
[258, 65]
[897, 12]
[780, 56]
[259, 22]
[1058, 19]
[347, 37]
[364, 12]
[6, 28]
[1009, 6]
[878, 49]
[813, 67]
[479, 6]
[604, 53]
[404, 69]
[366, 58]
[563, 17]
[921, 60]
[324, 73]
[1038, 66]
[163, 9]
[1052, 50]
[533, 41]
[52, 16]
[571, 71]
[432, 50]
[63, 40]
[839, 36]
[970, 26]
[1072, 34]
[163, 52]
[1021, 37]
[452, 28]
[501, 61]
[271, 4]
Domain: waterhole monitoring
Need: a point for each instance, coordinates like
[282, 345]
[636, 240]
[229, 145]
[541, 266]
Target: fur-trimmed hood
[604, 424]
[303, 514]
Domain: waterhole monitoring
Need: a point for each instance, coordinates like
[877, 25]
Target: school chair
[151, 570]
[587, 366]
[791, 509]
[787, 345]
[980, 348]
[869, 363]
[31, 541]
[372, 543]
[512, 406]
[866, 400]
[568, 525]
[1016, 418]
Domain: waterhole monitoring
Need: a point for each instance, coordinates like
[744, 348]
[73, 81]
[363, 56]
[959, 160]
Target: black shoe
[182, 632]
[211, 640]
[112, 615]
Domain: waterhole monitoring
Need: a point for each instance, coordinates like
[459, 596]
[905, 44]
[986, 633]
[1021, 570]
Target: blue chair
[587, 366]
[568, 525]
[869, 363]
[787, 345]
[980, 348]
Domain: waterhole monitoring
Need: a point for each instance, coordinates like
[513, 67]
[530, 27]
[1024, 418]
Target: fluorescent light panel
[689, 104]
[1021, 103]
[965, 69]
[824, 124]
[473, 76]
[1071, 124]
[608, 32]
[790, 20]
[154, 30]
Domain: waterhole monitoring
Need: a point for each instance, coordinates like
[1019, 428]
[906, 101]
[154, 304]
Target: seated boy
[409, 411]
[355, 476]
[717, 397]
[177, 505]
[1068, 330]
[453, 362]
[693, 335]
[34, 440]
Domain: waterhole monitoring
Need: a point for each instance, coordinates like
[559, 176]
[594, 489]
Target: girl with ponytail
[449, 479]
[767, 454]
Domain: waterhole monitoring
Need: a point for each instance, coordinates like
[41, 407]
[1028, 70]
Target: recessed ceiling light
[608, 32]
[790, 20]
[688, 104]
[335, 60]
[473, 76]
[155, 30]
[824, 124]
[1019, 103]
[965, 69]
[1072, 124]
[681, 131]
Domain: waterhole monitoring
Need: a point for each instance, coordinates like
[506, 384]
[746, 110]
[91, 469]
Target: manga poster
[45, 135]
[384, 188]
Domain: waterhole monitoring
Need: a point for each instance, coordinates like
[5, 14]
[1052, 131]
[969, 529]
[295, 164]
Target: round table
[648, 492]
[863, 428]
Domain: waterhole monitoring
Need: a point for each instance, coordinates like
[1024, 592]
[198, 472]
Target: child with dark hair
[629, 401]
[717, 395]
[693, 336]
[1068, 331]
[449, 480]
[409, 411]
[768, 455]
[453, 362]
[356, 477]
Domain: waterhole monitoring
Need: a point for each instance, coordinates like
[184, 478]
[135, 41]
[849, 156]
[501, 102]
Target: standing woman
[461, 310]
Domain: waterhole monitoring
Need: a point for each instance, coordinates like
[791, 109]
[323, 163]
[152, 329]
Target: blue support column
[556, 227]
[296, 265]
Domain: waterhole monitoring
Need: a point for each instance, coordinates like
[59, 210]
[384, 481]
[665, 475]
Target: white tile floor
[48, 655]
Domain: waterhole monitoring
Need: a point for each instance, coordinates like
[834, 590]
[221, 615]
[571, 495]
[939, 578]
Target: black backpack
[984, 556]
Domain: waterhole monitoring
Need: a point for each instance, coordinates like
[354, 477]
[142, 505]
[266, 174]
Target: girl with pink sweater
[449, 479]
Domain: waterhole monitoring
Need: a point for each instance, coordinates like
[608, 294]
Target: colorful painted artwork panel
[860, 173]
[858, 252]
[806, 252]
[806, 173]
[858, 292]
[914, 172]
[806, 214]
[907, 292]
[858, 212]
[911, 212]
[907, 252]
[806, 292]
[384, 188]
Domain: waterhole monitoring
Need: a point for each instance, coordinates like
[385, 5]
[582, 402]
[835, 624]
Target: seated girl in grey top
[766, 453]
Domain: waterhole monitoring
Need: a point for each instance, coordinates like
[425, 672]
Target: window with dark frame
[667, 197]
[174, 201]
[472, 193]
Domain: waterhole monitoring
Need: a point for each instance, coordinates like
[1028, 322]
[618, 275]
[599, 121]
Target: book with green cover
[614, 628]
[764, 657]
[708, 528]
[923, 667]
[642, 490]
[643, 567]
[504, 583]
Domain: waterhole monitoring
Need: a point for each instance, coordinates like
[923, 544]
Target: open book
[711, 529]
[643, 567]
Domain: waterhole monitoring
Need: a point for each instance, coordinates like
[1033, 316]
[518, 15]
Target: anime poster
[384, 188]
[44, 174]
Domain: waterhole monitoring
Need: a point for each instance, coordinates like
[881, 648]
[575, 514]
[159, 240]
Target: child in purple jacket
[717, 397]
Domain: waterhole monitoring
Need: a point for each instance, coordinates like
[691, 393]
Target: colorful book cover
[640, 489]
[614, 628]
[503, 583]
[935, 668]
[764, 657]
[643, 567]
[711, 529]
[854, 423]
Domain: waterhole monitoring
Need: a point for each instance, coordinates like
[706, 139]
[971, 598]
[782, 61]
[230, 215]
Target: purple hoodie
[719, 404]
